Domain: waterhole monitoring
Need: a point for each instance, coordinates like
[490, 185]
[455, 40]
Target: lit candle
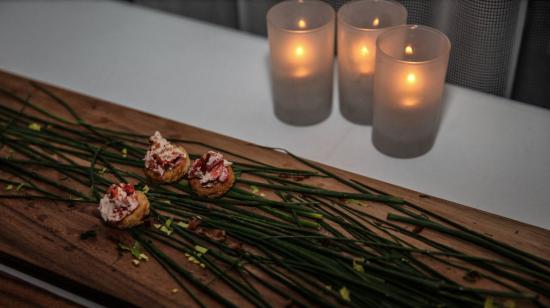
[300, 55]
[411, 65]
[301, 45]
[359, 24]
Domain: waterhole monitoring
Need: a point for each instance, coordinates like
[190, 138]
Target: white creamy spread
[209, 168]
[162, 155]
[119, 202]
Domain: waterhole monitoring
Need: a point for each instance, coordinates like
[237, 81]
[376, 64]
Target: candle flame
[411, 78]
[302, 24]
[364, 51]
[408, 50]
[299, 51]
[376, 22]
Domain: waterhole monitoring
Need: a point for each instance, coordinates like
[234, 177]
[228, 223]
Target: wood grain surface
[45, 235]
[18, 293]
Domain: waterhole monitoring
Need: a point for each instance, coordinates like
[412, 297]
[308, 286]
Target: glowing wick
[364, 51]
[408, 50]
[376, 22]
[411, 78]
[299, 51]
[302, 24]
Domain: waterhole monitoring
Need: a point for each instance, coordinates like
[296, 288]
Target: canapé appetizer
[123, 206]
[165, 162]
[211, 175]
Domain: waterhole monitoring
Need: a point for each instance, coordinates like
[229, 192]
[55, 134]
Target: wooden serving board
[43, 237]
[18, 293]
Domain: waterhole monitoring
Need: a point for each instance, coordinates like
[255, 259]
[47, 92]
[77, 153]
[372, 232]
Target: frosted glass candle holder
[359, 24]
[411, 64]
[301, 44]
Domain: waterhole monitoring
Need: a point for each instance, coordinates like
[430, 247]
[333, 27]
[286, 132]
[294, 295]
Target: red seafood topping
[209, 168]
[162, 155]
[119, 202]
[115, 188]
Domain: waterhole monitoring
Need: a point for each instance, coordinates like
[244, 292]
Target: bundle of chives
[306, 244]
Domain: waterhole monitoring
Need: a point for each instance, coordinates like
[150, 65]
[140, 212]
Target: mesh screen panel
[419, 12]
[532, 84]
[482, 35]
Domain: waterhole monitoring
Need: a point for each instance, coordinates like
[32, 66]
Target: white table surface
[491, 153]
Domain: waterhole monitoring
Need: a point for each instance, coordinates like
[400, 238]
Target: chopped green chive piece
[136, 250]
[182, 224]
[145, 189]
[201, 249]
[354, 201]
[166, 230]
[123, 247]
[358, 265]
[345, 294]
[143, 257]
[35, 126]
